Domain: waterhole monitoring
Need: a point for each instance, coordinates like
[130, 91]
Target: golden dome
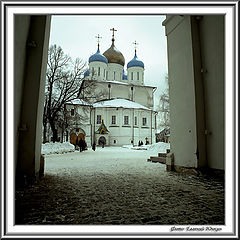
[113, 55]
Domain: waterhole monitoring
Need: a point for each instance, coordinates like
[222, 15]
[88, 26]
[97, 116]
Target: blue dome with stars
[98, 57]
[135, 62]
[124, 76]
[86, 74]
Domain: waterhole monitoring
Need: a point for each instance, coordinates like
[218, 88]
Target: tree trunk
[44, 133]
[62, 135]
[54, 131]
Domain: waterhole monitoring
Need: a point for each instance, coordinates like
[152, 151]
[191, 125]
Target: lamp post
[109, 86]
[132, 119]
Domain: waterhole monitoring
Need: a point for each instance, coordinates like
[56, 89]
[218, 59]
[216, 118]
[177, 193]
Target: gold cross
[98, 37]
[135, 43]
[114, 30]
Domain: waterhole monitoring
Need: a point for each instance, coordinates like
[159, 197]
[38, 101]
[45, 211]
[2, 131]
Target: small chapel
[114, 106]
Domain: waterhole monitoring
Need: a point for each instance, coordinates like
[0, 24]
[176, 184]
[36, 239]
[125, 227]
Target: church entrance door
[102, 141]
[73, 138]
[81, 136]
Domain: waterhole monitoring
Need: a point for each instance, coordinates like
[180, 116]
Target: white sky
[76, 35]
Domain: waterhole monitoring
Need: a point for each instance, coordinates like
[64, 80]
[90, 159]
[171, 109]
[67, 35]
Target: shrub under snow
[49, 148]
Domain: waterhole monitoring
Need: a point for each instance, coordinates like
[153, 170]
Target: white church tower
[116, 62]
[135, 70]
[98, 65]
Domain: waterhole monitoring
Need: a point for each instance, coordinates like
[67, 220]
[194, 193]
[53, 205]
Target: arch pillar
[32, 49]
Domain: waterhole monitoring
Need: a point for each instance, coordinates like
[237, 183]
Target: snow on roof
[124, 103]
[123, 83]
[78, 102]
[136, 85]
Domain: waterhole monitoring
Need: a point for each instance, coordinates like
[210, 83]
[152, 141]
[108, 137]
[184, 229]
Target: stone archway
[77, 134]
[73, 138]
[30, 97]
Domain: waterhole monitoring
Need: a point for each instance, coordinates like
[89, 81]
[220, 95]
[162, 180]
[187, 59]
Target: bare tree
[163, 108]
[63, 81]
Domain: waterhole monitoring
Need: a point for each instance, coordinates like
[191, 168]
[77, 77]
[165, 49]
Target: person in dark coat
[84, 145]
[80, 144]
[76, 144]
[94, 146]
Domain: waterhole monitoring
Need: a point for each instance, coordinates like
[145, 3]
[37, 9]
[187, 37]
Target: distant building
[117, 107]
[163, 136]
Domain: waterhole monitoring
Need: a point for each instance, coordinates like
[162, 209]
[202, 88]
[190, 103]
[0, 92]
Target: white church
[114, 107]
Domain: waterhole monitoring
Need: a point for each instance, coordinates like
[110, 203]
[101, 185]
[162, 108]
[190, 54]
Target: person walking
[80, 144]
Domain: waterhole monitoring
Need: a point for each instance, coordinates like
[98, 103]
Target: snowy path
[118, 186]
[108, 160]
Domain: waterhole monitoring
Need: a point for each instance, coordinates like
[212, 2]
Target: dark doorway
[102, 141]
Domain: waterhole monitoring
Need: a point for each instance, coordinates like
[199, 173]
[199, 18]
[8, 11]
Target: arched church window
[98, 71]
[72, 112]
[114, 119]
[137, 75]
[99, 118]
[131, 75]
[92, 71]
[114, 75]
[126, 120]
[144, 121]
[107, 75]
[104, 72]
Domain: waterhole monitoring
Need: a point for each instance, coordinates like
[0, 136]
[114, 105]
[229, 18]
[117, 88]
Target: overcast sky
[76, 35]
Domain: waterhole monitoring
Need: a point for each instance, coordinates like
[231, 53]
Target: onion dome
[124, 76]
[113, 55]
[98, 57]
[135, 62]
[86, 74]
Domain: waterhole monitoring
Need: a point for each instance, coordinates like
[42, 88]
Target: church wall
[122, 133]
[118, 69]
[119, 91]
[133, 75]
[99, 90]
[144, 96]
[94, 70]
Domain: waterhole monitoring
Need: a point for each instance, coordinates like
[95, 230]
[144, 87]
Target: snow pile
[49, 148]
[143, 147]
[159, 147]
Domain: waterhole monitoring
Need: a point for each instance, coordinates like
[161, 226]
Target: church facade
[114, 107]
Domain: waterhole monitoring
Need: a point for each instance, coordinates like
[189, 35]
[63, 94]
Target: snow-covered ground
[58, 148]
